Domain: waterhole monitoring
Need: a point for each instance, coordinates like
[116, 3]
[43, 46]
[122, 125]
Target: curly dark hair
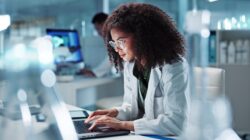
[156, 38]
[99, 18]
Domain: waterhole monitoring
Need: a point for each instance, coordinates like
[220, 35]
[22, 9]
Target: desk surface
[135, 137]
[68, 89]
[126, 137]
[84, 82]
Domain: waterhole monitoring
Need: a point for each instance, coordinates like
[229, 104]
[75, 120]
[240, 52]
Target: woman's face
[123, 44]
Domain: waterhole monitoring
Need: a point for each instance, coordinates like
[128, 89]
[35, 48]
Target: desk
[68, 90]
[128, 137]
[134, 137]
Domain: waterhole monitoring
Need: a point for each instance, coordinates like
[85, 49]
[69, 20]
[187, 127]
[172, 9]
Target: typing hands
[107, 118]
[107, 121]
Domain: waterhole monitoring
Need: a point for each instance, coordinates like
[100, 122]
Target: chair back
[214, 80]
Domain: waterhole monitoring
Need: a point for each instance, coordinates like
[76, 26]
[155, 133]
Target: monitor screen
[67, 48]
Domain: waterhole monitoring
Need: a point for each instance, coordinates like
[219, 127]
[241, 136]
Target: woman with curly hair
[143, 41]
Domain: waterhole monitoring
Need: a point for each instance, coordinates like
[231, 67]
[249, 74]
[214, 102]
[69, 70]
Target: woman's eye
[121, 41]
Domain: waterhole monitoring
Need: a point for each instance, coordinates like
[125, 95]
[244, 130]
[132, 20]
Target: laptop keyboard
[81, 127]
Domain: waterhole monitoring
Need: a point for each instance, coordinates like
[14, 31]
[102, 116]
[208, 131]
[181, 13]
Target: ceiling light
[5, 22]
[212, 0]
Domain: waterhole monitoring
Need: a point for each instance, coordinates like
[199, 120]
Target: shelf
[233, 47]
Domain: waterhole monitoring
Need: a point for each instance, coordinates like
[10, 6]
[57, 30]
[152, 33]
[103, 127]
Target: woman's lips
[122, 55]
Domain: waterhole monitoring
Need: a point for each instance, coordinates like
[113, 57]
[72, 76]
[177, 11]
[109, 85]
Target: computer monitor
[67, 48]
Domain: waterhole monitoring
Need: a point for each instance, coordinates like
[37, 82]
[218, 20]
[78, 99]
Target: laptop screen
[67, 48]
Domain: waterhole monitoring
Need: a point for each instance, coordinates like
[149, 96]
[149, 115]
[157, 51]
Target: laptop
[81, 128]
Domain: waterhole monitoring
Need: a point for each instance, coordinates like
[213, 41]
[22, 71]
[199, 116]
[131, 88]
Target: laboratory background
[45, 44]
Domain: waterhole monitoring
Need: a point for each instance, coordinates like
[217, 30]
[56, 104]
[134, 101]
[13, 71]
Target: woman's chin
[125, 59]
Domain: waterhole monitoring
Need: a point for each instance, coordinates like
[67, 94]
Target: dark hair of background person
[99, 18]
[155, 35]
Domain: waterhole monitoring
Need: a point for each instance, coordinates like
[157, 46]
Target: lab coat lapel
[134, 89]
[149, 101]
[135, 96]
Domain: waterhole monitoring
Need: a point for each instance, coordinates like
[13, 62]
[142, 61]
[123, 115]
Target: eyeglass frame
[119, 44]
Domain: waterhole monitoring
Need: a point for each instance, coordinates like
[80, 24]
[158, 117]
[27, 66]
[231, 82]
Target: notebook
[98, 132]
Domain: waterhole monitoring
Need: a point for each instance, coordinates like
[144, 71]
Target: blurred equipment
[66, 50]
[209, 116]
[31, 109]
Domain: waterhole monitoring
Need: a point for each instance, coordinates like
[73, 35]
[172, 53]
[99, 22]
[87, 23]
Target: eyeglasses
[120, 44]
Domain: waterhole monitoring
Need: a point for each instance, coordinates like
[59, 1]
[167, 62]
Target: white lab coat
[166, 102]
[104, 68]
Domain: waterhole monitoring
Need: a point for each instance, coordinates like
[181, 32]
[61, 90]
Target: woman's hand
[87, 72]
[112, 123]
[108, 112]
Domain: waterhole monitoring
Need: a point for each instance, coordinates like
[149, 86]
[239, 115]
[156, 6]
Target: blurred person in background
[104, 67]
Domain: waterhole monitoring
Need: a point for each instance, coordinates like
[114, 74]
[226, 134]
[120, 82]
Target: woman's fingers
[92, 126]
[94, 113]
[98, 112]
[92, 118]
[98, 121]
[107, 121]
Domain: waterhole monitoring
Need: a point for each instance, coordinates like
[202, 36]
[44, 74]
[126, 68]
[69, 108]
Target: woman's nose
[117, 49]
